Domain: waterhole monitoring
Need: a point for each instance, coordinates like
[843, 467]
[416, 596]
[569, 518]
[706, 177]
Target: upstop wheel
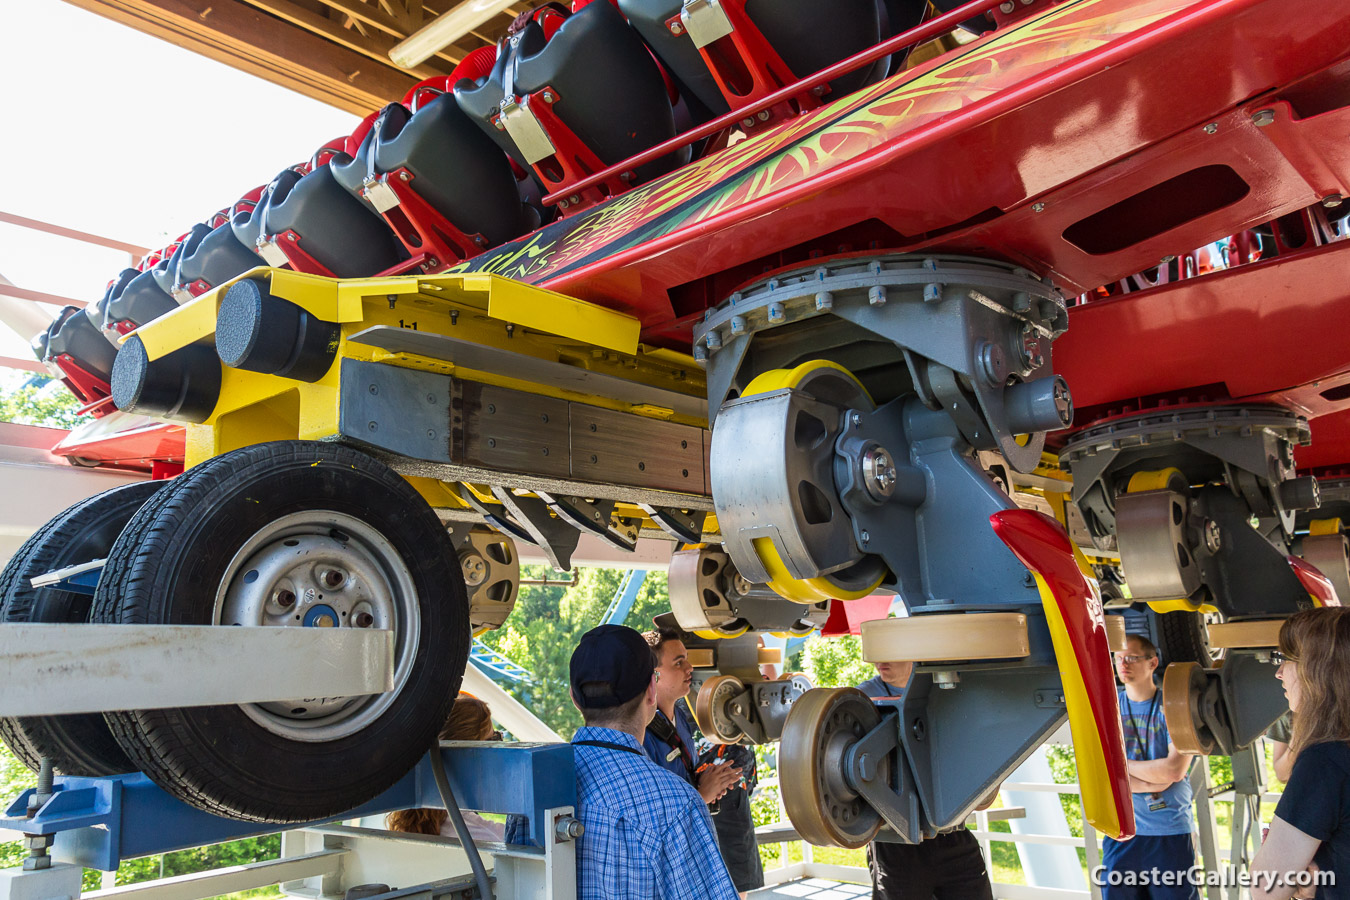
[820, 729]
[292, 534]
[1184, 687]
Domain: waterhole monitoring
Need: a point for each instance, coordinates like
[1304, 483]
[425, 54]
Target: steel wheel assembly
[491, 572]
[789, 492]
[1186, 690]
[812, 759]
[299, 535]
[711, 709]
[710, 598]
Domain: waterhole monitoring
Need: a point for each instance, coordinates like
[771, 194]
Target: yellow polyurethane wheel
[1182, 686]
[1154, 480]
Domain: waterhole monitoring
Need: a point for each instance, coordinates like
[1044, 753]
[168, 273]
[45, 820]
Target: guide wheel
[711, 712]
[820, 729]
[1185, 686]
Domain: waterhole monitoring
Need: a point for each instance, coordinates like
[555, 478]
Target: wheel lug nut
[284, 598]
[332, 578]
[364, 620]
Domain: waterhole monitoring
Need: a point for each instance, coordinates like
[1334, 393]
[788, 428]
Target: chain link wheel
[711, 709]
[1185, 686]
[789, 507]
[821, 728]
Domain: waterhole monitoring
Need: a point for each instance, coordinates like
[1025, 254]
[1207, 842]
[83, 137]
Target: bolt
[1007, 7]
[284, 598]
[876, 295]
[332, 578]
[865, 769]
[374, 389]
[492, 442]
[1038, 207]
[700, 353]
[1263, 117]
[764, 115]
[879, 475]
[748, 122]
[1211, 128]
[402, 176]
[776, 312]
[713, 339]
[932, 292]
[548, 97]
[568, 827]
[1213, 536]
[738, 324]
[1331, 201]
[364, 620]
[824, 301]
[946, 680]
[499, 124]
[574, 199]
[372, 426]
[865, 536]
[855, 420]
[676, 29]
[475, 569]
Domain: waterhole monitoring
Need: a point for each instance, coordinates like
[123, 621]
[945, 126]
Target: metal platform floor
[814, 889]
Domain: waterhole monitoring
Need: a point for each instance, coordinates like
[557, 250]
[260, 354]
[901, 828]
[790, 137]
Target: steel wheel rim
[819, 731]
[340, 572]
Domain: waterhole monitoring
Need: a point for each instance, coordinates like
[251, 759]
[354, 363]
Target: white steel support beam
[57, 669]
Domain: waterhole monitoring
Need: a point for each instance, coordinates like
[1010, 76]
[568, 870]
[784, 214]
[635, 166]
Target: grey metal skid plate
[437, 426]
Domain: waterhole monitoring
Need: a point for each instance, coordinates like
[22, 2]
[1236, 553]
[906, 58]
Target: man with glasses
[1156, 862]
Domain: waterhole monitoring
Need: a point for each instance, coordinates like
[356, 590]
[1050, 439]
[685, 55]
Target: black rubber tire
[1182, 638]
[77, 744]
[166, 569]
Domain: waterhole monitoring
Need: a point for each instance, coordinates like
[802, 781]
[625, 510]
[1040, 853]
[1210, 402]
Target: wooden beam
[84, 236]
[234, 33]
[376, 46]
[10, 290]
[371, 15]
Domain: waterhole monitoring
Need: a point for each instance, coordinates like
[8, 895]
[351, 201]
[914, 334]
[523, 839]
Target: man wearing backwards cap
[647, 832]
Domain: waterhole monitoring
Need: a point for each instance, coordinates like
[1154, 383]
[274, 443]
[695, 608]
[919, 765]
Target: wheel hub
[321, 569]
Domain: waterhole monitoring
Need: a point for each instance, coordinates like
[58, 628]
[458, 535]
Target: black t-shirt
[1317, 802]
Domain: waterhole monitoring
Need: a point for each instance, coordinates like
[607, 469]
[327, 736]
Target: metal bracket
[705, 21]
[556, 538]
[525, 129]
[679, 524]
[897, 802]
[594, 518]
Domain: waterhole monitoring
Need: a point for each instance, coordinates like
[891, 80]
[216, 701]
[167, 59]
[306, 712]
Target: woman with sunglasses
[1309, 837]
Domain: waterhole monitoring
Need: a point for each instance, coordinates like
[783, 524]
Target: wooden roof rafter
[335, 51]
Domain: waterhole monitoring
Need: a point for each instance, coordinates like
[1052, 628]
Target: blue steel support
[625, 597]
[496, 666]
[98, 822]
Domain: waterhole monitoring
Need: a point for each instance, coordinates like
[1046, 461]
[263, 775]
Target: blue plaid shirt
[648, 833]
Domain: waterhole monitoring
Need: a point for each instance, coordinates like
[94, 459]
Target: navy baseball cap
[611, 665]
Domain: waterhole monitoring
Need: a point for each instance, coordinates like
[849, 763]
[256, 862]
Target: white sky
[113, 132]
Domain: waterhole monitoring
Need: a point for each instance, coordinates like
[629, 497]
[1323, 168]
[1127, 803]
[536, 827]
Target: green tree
[546, 625]
[37, 400]
[835, 662]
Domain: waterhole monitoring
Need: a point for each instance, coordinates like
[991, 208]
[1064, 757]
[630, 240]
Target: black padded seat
[808, 35]
[610, 90]
[457, 169]
[247, 229]
[73, 334]
[98, 311]
[217, 257]
[334, 228]
[140, 301]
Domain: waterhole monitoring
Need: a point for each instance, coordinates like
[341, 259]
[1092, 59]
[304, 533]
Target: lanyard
[609, 745]
[1142, 740]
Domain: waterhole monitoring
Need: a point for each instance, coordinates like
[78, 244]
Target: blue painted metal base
[98, 822]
